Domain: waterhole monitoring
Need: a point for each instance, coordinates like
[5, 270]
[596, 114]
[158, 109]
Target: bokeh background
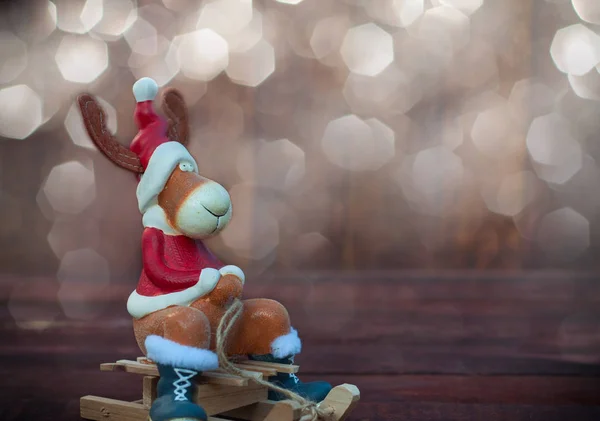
[352, 134]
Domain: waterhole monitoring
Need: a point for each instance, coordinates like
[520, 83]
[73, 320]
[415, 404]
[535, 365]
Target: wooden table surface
[420, 346]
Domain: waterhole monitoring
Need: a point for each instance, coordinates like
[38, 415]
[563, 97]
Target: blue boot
[175, 396]
[314, 391]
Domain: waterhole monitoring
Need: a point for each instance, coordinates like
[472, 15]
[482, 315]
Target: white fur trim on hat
[167, 352]
[139, 305]
[286, 345]
[162, 163]
[145, 89]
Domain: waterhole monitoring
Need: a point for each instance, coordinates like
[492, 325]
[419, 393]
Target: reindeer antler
[174, 107]
[94, 120]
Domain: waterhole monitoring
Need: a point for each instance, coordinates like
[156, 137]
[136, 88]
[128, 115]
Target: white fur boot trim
[167, 352]
[286, 345]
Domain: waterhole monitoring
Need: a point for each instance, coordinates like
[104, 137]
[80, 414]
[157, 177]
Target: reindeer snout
[213, 197]
[194, 205]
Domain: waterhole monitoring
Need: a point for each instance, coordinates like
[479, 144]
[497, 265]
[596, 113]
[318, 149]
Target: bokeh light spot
[252, 67]
[432, 179]
[494, 133]
[444, 25]
[513, 194]
[530, 98]
[13, 56]
[77, 16]
[358, 145]
[70, 187]
[92, 13]
[161, 66]
[142, 38]
[116, 18]
[389, 91]
[434, 168]
[367, 49]
[408, 11]
[466, 6]
[225, 17]
[278, 164]
[588, 10]
[254, 232]
[575, 49]
[564, 234]
[202, 54]
[248, 36]
[81, 59]
[20, 111]
[586, 86]
[552, 146]
[328, 35]
[69, 234]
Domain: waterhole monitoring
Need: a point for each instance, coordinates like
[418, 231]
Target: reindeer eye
[186, 166]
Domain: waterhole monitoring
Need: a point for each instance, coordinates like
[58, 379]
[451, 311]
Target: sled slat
[151, 370]
[217, 399]
[265, 371]
[280, 368]
[246, 371]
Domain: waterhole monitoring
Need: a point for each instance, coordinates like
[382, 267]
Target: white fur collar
[155, 217]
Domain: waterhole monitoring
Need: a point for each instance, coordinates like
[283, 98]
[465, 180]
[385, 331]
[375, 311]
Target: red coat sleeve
[153, 243]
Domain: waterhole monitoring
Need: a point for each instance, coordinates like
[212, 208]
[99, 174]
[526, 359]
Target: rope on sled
[311, 411]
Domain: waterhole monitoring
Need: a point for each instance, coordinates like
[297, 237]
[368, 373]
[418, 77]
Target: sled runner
[222, 395]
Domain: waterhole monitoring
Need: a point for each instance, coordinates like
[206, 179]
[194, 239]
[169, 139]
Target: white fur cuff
[167, 352]
[286, 345]
[233, 270]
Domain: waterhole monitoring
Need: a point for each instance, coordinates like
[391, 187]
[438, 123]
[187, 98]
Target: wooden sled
[222, 395]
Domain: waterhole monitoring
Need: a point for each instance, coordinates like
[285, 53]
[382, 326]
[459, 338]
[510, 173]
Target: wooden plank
[279, 368]
[245, 371]
[265, 371]
[151, 370]
[104, 409]
[223, 379]
[217, 399]
[259, 411]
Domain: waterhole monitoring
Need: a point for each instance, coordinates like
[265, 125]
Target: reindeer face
[194, 205]
[171, 194]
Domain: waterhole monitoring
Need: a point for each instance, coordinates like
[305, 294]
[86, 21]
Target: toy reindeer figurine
[184, 290]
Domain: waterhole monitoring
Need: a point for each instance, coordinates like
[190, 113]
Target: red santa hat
[158, 155]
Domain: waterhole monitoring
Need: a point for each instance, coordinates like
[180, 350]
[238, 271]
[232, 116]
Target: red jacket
[171, 275]
[172, 262]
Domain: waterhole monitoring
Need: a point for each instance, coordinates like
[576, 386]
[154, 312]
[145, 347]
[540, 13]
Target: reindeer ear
[94, 120]
[174, 107]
